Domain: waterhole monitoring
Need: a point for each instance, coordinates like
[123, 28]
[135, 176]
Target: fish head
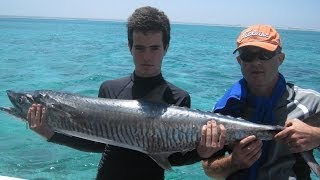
[21, 102]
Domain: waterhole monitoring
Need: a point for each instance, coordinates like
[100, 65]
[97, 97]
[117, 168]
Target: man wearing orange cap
[263, 96]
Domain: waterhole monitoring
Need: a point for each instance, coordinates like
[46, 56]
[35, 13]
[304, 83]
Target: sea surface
[78, 55]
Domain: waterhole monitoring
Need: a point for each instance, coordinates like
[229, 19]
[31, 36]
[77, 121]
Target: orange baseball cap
[263, 36]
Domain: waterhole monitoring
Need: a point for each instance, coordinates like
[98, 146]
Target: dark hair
[149, 19]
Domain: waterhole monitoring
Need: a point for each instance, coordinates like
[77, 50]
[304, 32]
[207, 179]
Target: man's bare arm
[244, 154]
[220, 167]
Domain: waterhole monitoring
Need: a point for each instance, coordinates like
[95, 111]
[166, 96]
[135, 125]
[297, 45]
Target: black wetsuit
[121, 163]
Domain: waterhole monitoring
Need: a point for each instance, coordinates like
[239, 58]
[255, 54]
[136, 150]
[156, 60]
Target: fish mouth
[10, 95]
[10, 110]
[6, 109]
[15, 110]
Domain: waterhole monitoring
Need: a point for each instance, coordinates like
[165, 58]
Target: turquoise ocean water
[77, 55]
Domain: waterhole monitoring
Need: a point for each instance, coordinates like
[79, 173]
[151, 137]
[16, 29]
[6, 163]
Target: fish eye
[20, 100]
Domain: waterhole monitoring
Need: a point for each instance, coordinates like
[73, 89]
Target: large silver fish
[152, 128]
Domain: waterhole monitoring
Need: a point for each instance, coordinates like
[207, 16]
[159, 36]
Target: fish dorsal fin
[156, 95]
[162, 160]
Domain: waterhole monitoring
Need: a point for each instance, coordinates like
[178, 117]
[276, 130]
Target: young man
[264, 96]
[148, 42]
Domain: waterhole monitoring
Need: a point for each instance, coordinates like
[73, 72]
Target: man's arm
[219, 167]
[243, 155]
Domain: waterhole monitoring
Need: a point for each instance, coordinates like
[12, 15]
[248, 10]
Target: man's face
[147, 51]
[260, 73]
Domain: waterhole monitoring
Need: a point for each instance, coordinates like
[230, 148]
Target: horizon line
[173, 22]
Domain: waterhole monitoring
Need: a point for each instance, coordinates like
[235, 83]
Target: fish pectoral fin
[63, 107]
[310, 160]
[70, 111]
[162, 160]
[57, 110]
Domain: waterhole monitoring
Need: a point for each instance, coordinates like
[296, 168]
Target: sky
[304, 14]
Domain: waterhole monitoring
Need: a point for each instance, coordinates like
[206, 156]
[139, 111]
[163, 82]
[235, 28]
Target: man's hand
[212, 139]
[299, 136]
[246, 152]
[37, 121]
